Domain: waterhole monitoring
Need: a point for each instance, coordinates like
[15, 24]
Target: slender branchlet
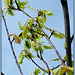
[11, 44]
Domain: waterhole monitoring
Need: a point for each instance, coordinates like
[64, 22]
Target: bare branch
[51, 35]
[17, 4]
[55, 67]
[11, 45]
[71, 39]
[45, 63]
[37, 64]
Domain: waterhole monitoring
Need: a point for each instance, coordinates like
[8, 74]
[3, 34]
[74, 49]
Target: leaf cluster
[62, 70]
[32, 35]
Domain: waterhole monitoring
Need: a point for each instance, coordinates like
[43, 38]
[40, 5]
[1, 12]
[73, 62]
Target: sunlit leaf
[10, 12]
[21, 57]
[59, 35]
[27, 43]
[22, 4]
[37, 71]
[6, 2]
[25, 33]
[41, 20]
[31, 8]
[33, 44]
[57, 59]
[40, 48]
[48, 47]
[48, 12]
[21, 27]
[30, 22]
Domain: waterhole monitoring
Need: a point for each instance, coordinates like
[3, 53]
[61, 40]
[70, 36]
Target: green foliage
[27, 44]
[33, 44]
[64, 45]
[59, 35]
[48, 47]
[31, 8]
[25, 33]
[40, 48]
[62, 70]
[6, 2]
[56, 34]
[73, 63]
[48, 12]
[10, 12]
[21, 57]
[57, 59]
[41, 21]
[37, 71]
[21, 27]
[22, 4]
[32, 35]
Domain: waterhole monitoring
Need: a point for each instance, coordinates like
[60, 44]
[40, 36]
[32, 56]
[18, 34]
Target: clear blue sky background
[54, 22]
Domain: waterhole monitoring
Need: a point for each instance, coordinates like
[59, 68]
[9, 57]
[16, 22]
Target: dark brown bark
[67, 32]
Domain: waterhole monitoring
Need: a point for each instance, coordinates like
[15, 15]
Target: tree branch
[36, 64]
[55, 67]
[44, 62]
[67, 32]
[11, 45]
[51, 35]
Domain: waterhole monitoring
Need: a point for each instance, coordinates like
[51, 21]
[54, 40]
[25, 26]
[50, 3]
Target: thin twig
[35, 31]
[37, 64]
[17, 4]
[41, 58]
[51, 35]
[11, 45]
[45, 63]
[55, 67]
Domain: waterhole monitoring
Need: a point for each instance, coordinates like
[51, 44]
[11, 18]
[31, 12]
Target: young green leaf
[10, 12]
[41, 20]
[48, 47]
[40, 48]
[30, 22]
[37, 71]
[57, 59]
[48, 12]
[25, 33]
[6, 2]
[21, 27]
[27, 43]
[59, 35]
[31, 8]
[22, 4]
[21, 57]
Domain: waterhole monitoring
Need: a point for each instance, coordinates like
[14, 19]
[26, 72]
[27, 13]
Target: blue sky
[54, 22]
